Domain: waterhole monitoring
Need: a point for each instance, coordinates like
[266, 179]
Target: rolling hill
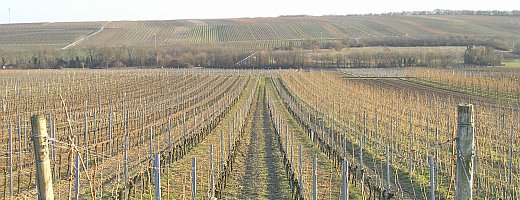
[254, 33]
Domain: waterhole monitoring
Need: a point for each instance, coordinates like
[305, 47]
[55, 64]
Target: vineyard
[263, 33]
[258, 134]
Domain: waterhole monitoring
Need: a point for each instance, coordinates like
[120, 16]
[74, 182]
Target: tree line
[307, 54]
[483, 56]
[443, 12]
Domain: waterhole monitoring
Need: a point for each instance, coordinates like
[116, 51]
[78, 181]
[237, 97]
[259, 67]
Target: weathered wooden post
[292, 143]
[157, 176]
[362, 180]
[76, 177]
[125, 166]
[184, 129]
[365, 129]
[41, 157]
[344, 182]
[85, 138]
[432, 177]
[194, 133]
[10, 161]
[233, 130]
[410, 153]
[194, 178]
[110, 128]
[52, 151]
[151, 142]
[301, 169]
[20, 161]
[511, 158]
[314, 179]
[286, 139]
[222, 150]
[465, 152]
[387, 193]
[229, 142]
[211, 176]
[169, 132]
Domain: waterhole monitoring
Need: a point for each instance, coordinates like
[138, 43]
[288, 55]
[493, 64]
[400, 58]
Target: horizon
[33, 11]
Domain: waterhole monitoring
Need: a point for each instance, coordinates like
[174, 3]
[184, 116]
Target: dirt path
[86, 36]
[258, 170]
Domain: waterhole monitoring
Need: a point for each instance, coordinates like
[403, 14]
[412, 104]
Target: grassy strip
[258, 172]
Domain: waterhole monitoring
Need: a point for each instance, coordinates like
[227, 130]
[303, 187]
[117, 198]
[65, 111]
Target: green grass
[515, 63]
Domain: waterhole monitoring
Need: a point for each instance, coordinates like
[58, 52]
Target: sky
[24, 11]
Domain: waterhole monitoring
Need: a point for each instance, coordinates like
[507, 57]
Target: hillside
[262, 33]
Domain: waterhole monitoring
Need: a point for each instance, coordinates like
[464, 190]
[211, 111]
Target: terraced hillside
[253, 32]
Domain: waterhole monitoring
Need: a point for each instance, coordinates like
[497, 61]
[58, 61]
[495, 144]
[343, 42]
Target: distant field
[251, 32]
[515, 63]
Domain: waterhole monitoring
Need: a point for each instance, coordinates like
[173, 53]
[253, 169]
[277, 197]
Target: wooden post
[211, 176]
[184, 128]
[151, 142]
[85, 139]
[292, 143]
[222, 151]
[110, 129]
[194, 178]
[157, 176]
[465, 152]
[52, 149]
[315, 129]
[387, 172]
[10, 161]
[410, 153]
[229, 142]
[365, 130]
[344, 182]
[169, 132]
[436, 158]
[314, 179]
[233, 131]
[287, 140]
[76, 180]
[20, 161]
[125, 166]
[376, 131]
[301, 169]
[432, 177]
[361, 163]
[194, 133]
[511, 159]
[41, 157]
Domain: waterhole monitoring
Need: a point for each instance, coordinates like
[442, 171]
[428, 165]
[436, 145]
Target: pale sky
[23, 11]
